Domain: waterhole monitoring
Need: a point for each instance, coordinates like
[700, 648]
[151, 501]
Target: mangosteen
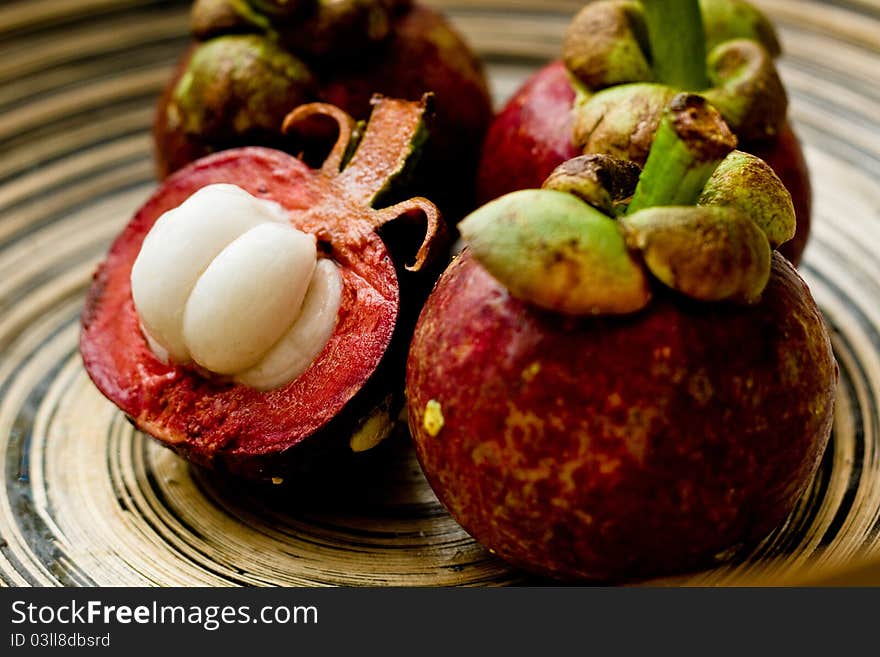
[251, 61]
[250, 317]
[622, 61]
[620, 377]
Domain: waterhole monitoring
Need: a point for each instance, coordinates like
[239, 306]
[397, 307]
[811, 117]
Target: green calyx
[236, 86]
[555, 251]
[708, 253]
[255, 59]
[701, 218]
[239, 85]
[722, 49]
[311, 29]
[689, 144]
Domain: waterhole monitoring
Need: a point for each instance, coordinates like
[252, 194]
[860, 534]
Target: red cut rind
[223, 424]
[619, 448]
[532, 135]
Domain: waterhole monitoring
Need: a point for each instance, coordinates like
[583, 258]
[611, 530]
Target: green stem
[690, 143]
[678, 43]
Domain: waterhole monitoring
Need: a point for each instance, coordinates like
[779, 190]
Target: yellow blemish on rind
[531, 372]
[433, 420]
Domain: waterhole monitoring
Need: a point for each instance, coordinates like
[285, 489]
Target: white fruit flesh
[248, 297]
[302, 343]
[225, 281]
[180, 246]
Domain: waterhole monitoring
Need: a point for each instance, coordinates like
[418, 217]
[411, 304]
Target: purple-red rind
[615, 449]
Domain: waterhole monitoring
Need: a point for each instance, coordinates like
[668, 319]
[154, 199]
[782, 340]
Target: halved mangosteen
[267, 325]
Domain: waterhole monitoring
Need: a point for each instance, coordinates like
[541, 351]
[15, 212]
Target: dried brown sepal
[394, 135]
[602, 181]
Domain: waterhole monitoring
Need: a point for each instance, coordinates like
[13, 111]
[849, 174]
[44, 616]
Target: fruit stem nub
[678, 43]
[690, 143]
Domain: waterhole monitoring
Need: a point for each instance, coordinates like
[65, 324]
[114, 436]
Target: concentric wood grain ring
[86, 500]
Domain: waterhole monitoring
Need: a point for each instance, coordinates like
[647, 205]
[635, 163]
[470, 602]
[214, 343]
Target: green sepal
[746, 88]
[725, 20]
[621, 121]
[237, 85]
[553, 250]
[708, 253]
[606, 44]
[748, 184]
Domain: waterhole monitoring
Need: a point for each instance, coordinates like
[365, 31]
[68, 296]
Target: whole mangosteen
[619, 378]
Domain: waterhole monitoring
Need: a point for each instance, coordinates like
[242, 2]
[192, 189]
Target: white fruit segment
[180, 246]
[248, 297]
[225, 281]
[302, 343]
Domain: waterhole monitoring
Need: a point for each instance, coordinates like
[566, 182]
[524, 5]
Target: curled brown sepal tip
[366, 166]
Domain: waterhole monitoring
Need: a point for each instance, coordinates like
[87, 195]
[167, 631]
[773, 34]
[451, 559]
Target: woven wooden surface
[87, 500]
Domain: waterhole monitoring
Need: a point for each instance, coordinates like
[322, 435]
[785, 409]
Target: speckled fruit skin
[531, 136]
[614, 449]
[425, 54]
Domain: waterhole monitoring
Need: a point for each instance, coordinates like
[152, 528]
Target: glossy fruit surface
[611, 449]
